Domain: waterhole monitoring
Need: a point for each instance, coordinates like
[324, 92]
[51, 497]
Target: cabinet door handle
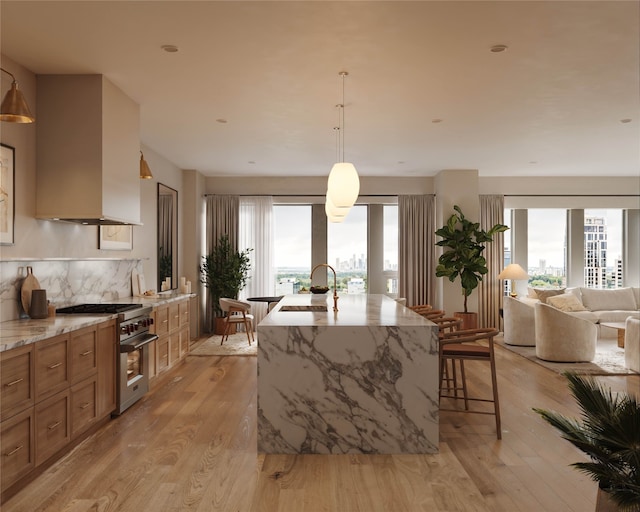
[165, 321]
[13, 382]
[54, 365]
[87, 353]
[17, 448]
[53, 425]
[85, 405]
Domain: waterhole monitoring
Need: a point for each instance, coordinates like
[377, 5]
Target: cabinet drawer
[52, 425]
[83, 347]
[162, 353]
[161, 323]
[51, 366]
[83, 406]
[17, 457]
[185, 341]
[16, 379]
[184, 312]
[174, 348]
[174, 316]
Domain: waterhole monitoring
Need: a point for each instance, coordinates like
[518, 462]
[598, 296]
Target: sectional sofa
[564, 325]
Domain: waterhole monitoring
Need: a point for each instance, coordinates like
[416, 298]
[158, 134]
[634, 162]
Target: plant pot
[469, 320]
[605, 503]
[219, 326]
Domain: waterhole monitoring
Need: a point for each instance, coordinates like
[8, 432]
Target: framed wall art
[115, 238]
[7, 194]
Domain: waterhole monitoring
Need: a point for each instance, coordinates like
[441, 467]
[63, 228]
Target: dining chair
[469, 345]
[237, 313]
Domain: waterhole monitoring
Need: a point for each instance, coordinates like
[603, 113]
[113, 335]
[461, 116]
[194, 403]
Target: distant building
[356, 285]
[287, 285]
[595, 252]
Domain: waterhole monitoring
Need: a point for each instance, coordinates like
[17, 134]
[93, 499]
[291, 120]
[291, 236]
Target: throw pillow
[567, 302]
[608, 300]
[543, 295]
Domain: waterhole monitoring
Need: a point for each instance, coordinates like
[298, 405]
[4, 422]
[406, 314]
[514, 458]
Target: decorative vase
[469, 320]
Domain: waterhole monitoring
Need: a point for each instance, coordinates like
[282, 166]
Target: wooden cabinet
[18, 452]
[52, 392]
[52, 425]
[83, 351]
[107, 354]
[17, 381]
[171, 324]
[51, 366]
[84, 409]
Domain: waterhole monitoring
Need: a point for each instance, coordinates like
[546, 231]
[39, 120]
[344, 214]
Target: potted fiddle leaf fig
[224, 272]
[464, 241]
[609, 434]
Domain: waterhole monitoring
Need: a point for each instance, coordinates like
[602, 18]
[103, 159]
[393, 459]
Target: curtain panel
[490, 289]
[256, 232]
[221, 219]
[416, 248]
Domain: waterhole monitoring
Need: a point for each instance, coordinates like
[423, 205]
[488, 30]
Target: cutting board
[135, 287]
[29, 284]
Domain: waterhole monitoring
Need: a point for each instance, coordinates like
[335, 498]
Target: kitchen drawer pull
[165, 321]
[54, 365]
[87, 353]
[85, 405]
[53, 425]
[17, 448]
[13, 383]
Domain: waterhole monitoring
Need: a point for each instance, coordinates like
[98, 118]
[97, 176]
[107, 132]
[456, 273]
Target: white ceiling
[551, 105]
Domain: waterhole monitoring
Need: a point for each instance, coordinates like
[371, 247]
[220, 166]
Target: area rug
[236, 345]
[609, 359]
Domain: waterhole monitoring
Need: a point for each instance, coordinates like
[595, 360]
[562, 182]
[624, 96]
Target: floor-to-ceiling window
[390, 256]
[347, 250]
[547, 247]
[603, 263]
[292, 247]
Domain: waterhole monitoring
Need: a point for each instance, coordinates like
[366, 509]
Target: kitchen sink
[314, 308]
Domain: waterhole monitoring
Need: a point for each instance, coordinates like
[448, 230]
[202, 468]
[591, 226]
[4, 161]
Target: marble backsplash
[66, 281]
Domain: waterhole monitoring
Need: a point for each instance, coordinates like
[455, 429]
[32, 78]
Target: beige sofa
[632, 344]
[564, 337]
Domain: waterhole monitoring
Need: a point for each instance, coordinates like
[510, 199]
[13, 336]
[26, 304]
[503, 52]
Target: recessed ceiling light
[627, 120]
[169, 48]
[498, 48]
[533, 162]
[435, 121]
[251, 162]
[221, 121]
[400, 162]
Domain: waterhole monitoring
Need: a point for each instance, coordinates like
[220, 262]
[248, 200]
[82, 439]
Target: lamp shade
[343, 185]
[14, 108]
[145, 172]
[514, 272]
[334, 214]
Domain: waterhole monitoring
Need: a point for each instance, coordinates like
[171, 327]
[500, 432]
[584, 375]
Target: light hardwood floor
[190, 444]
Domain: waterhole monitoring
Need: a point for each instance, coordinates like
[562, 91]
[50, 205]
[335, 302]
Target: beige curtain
[490, 290]
[222, 218]
[416, 248]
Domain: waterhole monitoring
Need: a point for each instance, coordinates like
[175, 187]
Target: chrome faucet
[335, 283]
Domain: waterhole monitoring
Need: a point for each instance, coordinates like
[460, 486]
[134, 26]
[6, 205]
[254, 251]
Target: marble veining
[363, 380]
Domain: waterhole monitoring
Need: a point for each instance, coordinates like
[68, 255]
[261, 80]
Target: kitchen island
[363, 379]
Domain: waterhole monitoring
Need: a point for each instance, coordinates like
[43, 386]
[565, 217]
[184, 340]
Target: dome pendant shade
[14, 107]
[333, 213]
[145, 172]
[344, 185]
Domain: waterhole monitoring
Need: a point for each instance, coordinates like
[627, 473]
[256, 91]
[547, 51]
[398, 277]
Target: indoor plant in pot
[464, 243]
[224, 272]
[609, 434]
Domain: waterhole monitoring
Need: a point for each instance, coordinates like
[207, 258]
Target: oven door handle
[137, 342]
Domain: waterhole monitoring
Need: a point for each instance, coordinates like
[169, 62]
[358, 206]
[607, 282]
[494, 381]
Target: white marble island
[362, 380]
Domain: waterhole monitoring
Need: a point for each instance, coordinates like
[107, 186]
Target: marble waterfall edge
[348, 389]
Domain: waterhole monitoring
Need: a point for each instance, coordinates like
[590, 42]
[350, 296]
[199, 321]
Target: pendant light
[145, 172]
[14, 108]
[344, 184]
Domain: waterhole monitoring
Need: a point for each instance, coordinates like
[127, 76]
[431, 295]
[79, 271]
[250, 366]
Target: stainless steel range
[134, 322]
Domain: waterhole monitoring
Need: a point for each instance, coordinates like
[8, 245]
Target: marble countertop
[353, 310]
[16, 333]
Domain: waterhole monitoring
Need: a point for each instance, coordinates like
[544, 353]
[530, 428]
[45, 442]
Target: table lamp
[514, 272]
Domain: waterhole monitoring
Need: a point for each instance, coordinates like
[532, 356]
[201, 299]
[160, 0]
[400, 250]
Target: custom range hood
[88, 147]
